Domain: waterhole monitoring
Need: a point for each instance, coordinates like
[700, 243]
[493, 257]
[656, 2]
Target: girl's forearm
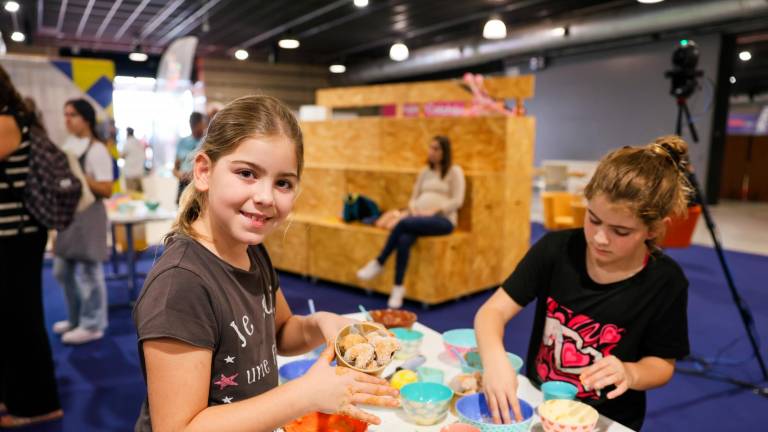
[299, 334]
[650, 372]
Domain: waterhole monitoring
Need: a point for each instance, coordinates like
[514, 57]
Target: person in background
[212, 317]
[610, 305]
[81, 248]
[432, 211]
[135, 157]
[185, 149]
[31, 396]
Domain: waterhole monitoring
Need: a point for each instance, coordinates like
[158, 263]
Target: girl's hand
[337, 389]
[606, 371]
[500, 389]
[330, 324]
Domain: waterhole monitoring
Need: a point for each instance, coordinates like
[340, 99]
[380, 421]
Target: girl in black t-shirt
[211, 318]
[611, 310]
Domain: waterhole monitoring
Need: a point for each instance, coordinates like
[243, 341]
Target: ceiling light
[12, 6]
[398, 51]
[732, 80]
[288, 43]
[138, 56]
[743, 56]
[337, 68]
[18, 36]
[241, 54]
[494, 29]
[361, 3]
[559, 31]
[649, 1]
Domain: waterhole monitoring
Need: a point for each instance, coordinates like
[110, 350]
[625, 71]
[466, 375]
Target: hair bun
[673, 147]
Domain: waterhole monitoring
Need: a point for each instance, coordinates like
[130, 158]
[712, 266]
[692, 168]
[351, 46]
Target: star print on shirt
[227, 400]
[226, 381]
[230, 359]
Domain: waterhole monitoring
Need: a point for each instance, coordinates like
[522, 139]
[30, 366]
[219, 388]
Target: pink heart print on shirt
[571, 357]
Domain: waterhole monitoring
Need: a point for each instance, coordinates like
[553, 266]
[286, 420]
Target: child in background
[611, 307]
[212, 319]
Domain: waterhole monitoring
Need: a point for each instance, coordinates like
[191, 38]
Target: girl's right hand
[500, 389]
[336, 389]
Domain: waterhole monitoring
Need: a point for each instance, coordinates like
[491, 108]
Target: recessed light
[18, 36]
[361, 3]
[732, 80]
[649, 1]
[12, 6]
[241, 54]
[398, 51]
[494, 29]
[559, 31]
[337, 68]
[138, 56]
[288, 43]
[745, 56]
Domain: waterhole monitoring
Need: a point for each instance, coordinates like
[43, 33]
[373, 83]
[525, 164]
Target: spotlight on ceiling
[649, 1]
[12, 6]
[288, 43]
[337, 68]
[361, 3]
[732, 80]
[18, 36]
[241, 54]
[560, 31]
[743, 56]
[495, 29]
[398, 51]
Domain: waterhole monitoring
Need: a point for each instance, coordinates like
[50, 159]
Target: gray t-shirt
[194, 296]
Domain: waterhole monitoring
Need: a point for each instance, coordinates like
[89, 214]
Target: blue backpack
[360, 207]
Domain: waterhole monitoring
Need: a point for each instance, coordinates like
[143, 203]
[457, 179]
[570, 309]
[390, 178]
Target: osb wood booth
[380, 157]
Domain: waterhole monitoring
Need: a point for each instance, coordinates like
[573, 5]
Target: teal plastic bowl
[152, 205]
[459, 340]
[425, 403]
[474, 364]
[410, 342]
[559, 390]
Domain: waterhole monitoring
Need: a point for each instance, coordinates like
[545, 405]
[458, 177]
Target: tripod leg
[689, 120]
[679, 124]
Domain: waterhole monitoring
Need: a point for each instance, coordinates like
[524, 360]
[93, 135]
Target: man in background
[185, 149]
[134, 156]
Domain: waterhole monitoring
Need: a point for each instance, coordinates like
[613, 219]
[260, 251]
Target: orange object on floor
[680, 230]
[562, 210]
[321, 422]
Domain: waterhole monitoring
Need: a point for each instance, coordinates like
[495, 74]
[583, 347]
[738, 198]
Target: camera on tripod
[684, 74]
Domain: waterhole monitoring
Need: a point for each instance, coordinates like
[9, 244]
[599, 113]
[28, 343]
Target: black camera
[684, 75]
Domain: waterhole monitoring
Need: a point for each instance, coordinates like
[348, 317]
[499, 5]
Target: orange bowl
[321, 422]
[393, 317]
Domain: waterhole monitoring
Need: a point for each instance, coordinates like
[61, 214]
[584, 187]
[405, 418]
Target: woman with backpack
[28, 392]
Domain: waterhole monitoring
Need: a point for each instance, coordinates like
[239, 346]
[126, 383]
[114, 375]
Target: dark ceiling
[329, 30]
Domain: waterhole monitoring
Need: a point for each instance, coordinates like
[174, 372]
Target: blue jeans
[85, 291]
[404, 235]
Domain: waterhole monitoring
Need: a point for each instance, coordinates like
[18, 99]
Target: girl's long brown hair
[243, 118]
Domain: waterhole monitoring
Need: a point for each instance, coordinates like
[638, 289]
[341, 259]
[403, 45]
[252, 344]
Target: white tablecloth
[395, 420]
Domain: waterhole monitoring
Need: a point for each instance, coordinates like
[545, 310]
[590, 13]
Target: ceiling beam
[84, 19]
[62, 12]
[190, 19]
[160, 17]
[131, 19]
[108, 18]
[297, 21]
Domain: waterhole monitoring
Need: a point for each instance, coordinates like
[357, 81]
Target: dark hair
[651, 179]
[10, 98]
[446, 161]
[243, 118]
[129, 131]
[86, 111]
[195, 118]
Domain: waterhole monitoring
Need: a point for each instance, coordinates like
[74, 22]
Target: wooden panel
[420, 92]
[321, 193]
[341, 142]
[289, 246]
[517, 200]
[389, 190]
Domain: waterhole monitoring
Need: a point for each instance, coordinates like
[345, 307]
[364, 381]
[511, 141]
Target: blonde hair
[651, 180]
[243, 118]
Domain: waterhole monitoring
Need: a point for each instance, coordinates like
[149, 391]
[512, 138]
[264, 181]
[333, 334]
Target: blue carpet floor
[101, 385]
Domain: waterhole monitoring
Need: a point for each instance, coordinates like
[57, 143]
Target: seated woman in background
[610, 305]
[432, 211]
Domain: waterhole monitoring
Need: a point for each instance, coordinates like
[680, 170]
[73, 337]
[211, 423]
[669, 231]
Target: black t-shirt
[579, 321]
[194, 296]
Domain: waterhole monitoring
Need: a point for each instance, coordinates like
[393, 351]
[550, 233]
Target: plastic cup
[428, 374]
[559, 390]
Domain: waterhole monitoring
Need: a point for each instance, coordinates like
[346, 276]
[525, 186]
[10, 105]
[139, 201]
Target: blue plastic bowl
[474, 364]
[426, 403]
[462, 338]
[559, 390]
[295, 369]
[472, 409]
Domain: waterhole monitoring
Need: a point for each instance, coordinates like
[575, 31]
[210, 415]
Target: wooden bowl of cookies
[393, 317]
[365, 347]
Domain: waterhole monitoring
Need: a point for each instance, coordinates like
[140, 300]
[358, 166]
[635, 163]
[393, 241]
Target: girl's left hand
[606, 371]
[330, 324]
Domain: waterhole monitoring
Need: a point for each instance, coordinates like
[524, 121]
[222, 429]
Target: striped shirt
[14, 217]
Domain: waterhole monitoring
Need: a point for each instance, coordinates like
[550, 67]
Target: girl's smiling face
[614, 234]
[251, 190]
